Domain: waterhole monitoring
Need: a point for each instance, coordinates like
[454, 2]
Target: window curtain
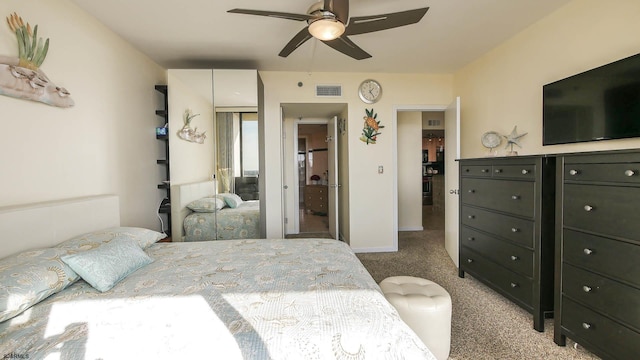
[225, 150]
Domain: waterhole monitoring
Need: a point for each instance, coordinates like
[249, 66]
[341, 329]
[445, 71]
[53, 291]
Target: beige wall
[106, 142]
[503, 88]
[371, 195]
[409, 171]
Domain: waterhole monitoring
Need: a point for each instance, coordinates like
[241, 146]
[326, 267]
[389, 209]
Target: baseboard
[416, 228]
[374, 250]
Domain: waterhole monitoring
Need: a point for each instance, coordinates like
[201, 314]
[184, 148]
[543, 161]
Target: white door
[451, 205]
[332, 149]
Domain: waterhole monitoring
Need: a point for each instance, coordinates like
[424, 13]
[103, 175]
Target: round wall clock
[370, 91]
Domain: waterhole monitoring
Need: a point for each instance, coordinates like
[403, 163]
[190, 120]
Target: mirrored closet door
[215, 183]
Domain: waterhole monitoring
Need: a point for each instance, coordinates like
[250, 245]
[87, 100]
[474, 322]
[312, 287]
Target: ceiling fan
[329, 22]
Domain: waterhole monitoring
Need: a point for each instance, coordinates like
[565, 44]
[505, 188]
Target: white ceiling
[201, 34]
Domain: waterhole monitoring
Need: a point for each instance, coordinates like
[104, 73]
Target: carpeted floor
[484, 324]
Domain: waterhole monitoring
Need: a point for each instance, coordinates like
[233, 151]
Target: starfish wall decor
[513, 138]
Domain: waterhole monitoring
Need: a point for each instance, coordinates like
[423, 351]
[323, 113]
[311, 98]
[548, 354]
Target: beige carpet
[484, 325]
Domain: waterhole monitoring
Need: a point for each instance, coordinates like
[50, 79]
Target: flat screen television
[599, 104]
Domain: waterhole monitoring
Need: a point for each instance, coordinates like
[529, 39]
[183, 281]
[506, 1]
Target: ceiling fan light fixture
[326, 29]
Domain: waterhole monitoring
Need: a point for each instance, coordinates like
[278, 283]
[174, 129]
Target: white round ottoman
[426, 307]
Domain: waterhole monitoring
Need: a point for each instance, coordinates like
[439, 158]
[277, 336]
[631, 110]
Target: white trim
[394, 156]
[411, 228]
[374, 250]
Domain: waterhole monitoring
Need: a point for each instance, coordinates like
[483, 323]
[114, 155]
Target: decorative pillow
[232, 200]
[105, 266]
[207, 204]
[88, 241]
[30, 277]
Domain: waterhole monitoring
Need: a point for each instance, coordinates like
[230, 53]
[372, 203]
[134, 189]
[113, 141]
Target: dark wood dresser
[597, 294]
[507, 207]
[316, 199]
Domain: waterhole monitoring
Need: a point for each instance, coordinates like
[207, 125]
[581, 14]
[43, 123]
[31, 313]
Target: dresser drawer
[510, 228]
[518, 286]
[475, 170]
[618, 341]
[602, 294]
[513, 257]
[612, 258]
[606, 210]
[620, 173]
[524, 171]
[515, 197]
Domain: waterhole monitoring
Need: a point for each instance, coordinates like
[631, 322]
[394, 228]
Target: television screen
[599, 104]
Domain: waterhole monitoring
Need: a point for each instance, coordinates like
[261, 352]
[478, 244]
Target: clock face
[370, 91]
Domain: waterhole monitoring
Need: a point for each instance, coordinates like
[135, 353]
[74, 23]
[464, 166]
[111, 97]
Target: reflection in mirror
[237, 153]
[226, 165]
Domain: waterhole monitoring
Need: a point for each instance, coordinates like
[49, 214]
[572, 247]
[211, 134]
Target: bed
[230, 299]
[241, 222]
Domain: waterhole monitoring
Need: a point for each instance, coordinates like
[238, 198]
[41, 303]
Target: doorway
[332, 146]
[313, 179]
[418, 163]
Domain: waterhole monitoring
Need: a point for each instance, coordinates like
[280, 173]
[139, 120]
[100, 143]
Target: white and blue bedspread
[242, 222]
[236, 299]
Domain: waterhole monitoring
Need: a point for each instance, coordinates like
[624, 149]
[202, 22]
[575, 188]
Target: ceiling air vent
[328, 90]
[433, 123]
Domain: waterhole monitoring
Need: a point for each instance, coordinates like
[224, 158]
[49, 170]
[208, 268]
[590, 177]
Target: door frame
[394, 156]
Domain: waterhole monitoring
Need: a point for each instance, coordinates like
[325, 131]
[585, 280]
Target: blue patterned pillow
[206, 204]
[92, 240]
[30, 277]
[105, 266]
[232, 200]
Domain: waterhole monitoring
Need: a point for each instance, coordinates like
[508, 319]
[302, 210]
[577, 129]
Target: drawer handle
[471, 217]
[586, 288]
[573, 172]
[586, 326]
[629, 173]
[471, 191]
[525, 171]
[514, 285]
[498, 171]
[515, 197]
[587, 251]
[471, 238]
[515, 230]
[514, 258]
[466, 170]
[485, 170]
[469, 261]
[588, 208]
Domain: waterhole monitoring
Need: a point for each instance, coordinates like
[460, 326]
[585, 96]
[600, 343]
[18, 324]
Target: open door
[451, 204]
[332, 149]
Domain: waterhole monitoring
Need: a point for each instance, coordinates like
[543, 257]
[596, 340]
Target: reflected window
[249, 144]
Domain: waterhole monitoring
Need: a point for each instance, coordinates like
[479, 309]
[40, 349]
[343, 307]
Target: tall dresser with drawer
[597, 295]
[506, 236]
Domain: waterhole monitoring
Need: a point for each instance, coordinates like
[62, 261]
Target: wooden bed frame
[32, 226]
[181, 195]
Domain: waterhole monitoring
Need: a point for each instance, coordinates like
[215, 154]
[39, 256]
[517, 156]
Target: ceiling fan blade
[367, 24]
[296, 42]
[281, 15]
[340, 8]
[347, 47]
